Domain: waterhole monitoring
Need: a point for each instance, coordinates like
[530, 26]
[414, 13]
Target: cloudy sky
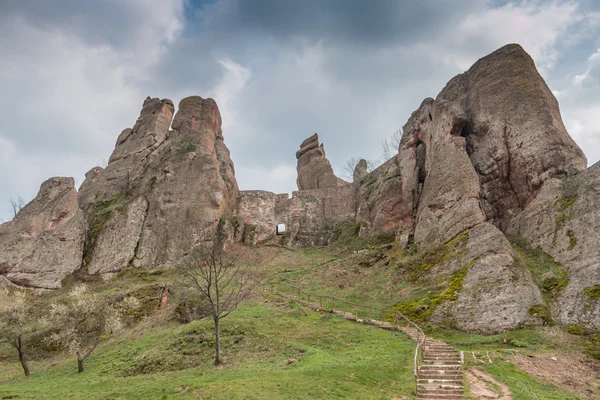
[74, 73]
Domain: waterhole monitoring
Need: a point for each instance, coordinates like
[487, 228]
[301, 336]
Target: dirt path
[483, 386]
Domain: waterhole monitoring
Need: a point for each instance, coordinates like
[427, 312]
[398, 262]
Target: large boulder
[564, 221]
[44, 242]
[494, 292]
[314, 169]
[514, 133]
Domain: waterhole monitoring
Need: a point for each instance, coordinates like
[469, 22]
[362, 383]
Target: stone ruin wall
[310, 216]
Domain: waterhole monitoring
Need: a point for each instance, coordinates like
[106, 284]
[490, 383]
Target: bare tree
[82, 320]
[216, 275]
[16, 205]
[389, 147]
[16, 321]
[347, 171]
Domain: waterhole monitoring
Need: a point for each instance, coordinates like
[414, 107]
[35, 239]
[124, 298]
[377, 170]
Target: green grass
[278, 350]
[334, 358]
[523, 386]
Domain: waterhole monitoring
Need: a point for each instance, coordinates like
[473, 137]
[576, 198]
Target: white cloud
[591, 76]
[6, 150]
[231, 84]
[537, 26]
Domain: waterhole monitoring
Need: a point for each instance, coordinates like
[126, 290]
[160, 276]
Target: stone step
[438, 381]
[441, 396]
[434, 375]
[441, 362]
[441, 391]
[446, 372]
[433, 386]
[436, 367]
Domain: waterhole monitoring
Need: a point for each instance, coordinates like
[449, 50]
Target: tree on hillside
[16, 205]
[82, 320]
[389, 147]
[217, 276]
[16, 321]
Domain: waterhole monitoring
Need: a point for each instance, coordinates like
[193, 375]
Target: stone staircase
[439, 375]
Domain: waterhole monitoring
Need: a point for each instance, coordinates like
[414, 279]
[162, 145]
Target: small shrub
[592, 291]
[541, 311]
[575, 329]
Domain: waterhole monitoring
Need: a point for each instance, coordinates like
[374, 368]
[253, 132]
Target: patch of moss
[559, 221]
[423, 308]
[572, 239]
[541, 311]
[184, 145]
[550, 276]
[592, 291]
[416, 263]
[563, 204]
[577, 329]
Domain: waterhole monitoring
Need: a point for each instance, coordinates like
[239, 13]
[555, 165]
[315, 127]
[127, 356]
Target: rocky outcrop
[380, 200]
[134, 150]
[494, 292]
[360, 171]
[513, 130]
[161, 190]
[314, 169]
[44, 242]
[564, 221]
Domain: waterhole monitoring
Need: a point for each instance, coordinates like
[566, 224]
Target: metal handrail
[420, 337]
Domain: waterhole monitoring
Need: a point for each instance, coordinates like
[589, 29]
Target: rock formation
[161, 189]
[487, 158]
[314, 169]
[564, 221]
[44, 242]
[360, 171]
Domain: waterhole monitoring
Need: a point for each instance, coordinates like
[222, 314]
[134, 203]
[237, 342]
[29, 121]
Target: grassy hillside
[275, 349]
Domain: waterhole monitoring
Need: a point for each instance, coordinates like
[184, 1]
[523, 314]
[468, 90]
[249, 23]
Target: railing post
[356, 310]
[344, 308]
[321, 301]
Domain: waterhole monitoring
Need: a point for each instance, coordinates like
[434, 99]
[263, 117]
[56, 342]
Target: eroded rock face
[44, 242]
[162, 190]
[314, 169]
[514, 133]
[564, 221]
[134, 150]
[496, 293]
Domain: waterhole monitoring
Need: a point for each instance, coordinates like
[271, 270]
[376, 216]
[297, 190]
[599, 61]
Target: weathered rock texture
[564, 221]
[134, 150]
[161, 189]
[314, 169]
[514, 134]
[497, 293]
[44, 242]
